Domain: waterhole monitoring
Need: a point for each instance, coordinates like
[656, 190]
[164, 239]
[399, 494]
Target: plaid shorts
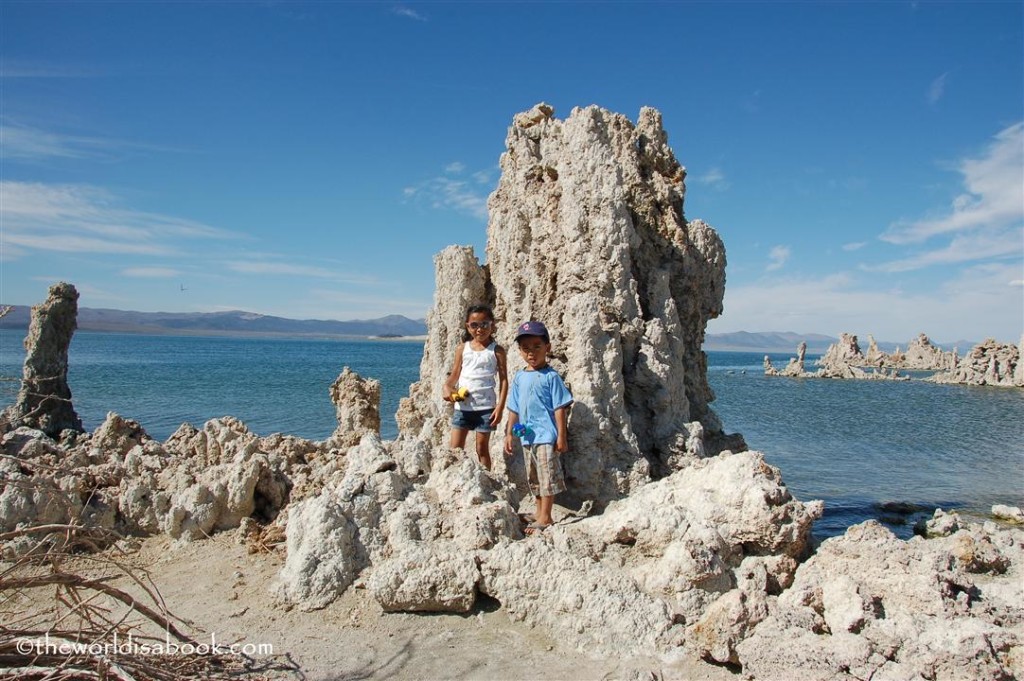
[543, 470]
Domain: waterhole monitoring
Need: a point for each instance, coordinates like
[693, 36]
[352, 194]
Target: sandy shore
[223, 591]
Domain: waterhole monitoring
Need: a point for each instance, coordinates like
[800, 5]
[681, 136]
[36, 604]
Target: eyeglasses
[480, 325]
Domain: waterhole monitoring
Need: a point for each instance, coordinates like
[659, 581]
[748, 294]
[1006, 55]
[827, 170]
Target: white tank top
[478, 375]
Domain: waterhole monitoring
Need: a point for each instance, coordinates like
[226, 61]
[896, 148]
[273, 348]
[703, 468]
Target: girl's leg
[483, 449]
[459, 438]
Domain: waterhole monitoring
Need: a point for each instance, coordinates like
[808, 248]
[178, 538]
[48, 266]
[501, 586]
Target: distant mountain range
[239, 322]
[225, 323]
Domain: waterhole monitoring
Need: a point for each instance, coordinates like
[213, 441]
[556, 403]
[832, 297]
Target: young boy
[538, 400]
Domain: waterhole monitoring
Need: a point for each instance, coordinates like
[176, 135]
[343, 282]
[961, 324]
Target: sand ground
[223, 590]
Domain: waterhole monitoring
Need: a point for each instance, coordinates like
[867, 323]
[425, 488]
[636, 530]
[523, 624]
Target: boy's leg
[483, 449]
[544, 506]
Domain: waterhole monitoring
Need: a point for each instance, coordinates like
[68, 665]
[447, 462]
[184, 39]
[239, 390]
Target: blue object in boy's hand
[521, 431]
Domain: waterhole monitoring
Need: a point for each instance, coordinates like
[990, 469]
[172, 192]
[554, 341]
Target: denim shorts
[480, 421]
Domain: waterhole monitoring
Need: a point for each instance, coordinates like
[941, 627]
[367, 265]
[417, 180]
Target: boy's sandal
[536, 528]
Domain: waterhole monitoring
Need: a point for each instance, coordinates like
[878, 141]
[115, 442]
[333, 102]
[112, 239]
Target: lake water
[859, 445]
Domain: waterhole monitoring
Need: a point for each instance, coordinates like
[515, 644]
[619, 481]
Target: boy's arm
[561, 423]
[502, 357]
[452, 382]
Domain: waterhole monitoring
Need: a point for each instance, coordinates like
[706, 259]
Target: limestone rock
[987, 363]
[587, 234]
[660, 559]
[333, 536]
[874, 356]
[460, 282]
[795, 367]
[842, 360]
[44, 400]
[872, 606]
[431, 577]
[323, 556]
[922, 355]
[1011, 513]
[357, 402]
[588, 606]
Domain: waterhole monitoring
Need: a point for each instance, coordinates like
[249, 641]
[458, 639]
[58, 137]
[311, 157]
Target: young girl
[478, 362]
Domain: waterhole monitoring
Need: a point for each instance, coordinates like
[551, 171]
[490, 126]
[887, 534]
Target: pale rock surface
[842, 359]
[868, 605]
[460, 282]
[44, 400]
[587, 234]
[987, 363]
[923, 356]
[426, 576]
[661, 557]
[874, 356]
[357, 406]
[333, 536]
[1011, 513]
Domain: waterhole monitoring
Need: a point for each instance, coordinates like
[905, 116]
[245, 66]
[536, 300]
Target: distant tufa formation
[44, 400]
[587, 233]
[988, 363]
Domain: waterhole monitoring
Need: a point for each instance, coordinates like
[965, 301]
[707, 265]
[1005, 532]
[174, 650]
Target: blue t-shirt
[534, 396]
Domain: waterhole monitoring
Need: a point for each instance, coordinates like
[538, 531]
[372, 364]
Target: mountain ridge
[254, 323]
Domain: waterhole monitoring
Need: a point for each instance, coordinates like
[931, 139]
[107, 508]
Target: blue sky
[863, 161]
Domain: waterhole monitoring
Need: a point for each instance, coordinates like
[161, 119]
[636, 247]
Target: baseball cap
[532, 328]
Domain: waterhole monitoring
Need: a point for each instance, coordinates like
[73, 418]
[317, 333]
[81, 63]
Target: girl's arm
[561, 423]
[452, 382]
[502, 357]
[513, 419]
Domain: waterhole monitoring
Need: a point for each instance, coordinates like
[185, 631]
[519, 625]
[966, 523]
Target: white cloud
[407, 12]
[20, 68]
[67, 218]
[977, 304]
[937, 89]
[455, 168]
[151, 272]
[265, 267]
[994, 196]
[448, 193]
[713, 178]
[25, 142]
[334, 304]
[777, 257]
[855, 246]
[963, 248]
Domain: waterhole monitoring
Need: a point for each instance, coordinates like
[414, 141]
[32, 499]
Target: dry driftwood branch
[88, 619]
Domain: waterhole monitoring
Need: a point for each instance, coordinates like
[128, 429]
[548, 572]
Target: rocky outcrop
[841, 360]
[923, 356]
[869, 605]
[587, 233]
[357, 406]
[460, 282]
[198, 482]
[845, 352]
[44, 400]
[874, 356]
[794, 369]
[988, 363]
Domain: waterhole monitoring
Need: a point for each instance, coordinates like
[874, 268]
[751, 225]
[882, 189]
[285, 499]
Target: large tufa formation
[988, 363]
[44, 401]
[587, 233]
